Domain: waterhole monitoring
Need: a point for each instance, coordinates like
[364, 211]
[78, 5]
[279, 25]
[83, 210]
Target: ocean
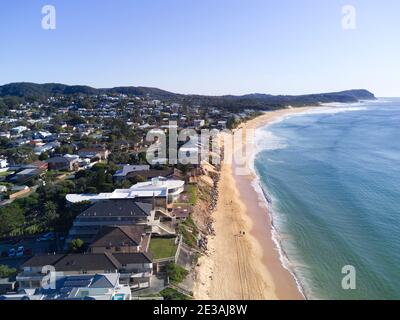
[334, 179]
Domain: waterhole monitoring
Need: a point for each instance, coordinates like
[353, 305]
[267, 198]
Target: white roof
[158, 187]
[131, 168]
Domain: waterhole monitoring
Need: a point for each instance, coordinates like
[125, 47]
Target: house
[94, 152]
[221, 124]
[5, 135]
[78, 287]
[110, 213]
[6, 285]
[46, 148]
[26, 175]
[199, 123]
[41, 135]
[182, 211]
[151, 174]
[127, 169]
[3, 165]
[39, 165]
[67, 162]
[20, 142]
[121, 212]
[135, 269]
[29, 172]
[163, 190]
[18, 130]
[192, 152]
[124, 239]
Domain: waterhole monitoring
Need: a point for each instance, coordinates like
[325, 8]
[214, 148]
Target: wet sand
[237, 266]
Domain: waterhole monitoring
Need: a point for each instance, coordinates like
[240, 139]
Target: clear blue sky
[205, 46]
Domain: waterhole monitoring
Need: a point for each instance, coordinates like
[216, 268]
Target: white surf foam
[266, 201]
[266, 140]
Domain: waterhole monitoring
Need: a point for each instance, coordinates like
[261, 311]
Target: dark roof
[104, 281]
[89, 261]
[93, 149]
[149, 174]
[133, 258]
[77, 262]
[118, 208]
[182, 211]
[42, 260]
[118, 236]
[61, 159]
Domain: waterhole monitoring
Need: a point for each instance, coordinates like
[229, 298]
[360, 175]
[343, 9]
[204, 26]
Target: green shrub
[172, 294]
[6, 272]
[176, 273]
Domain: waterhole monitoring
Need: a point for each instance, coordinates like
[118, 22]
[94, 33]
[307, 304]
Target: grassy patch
[189, 232]
[192, 193]
[172, 294]
[162, 247]
[5, 173]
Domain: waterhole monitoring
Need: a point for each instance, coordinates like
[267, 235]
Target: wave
[266, 200]
[333, 110]
[266, 140]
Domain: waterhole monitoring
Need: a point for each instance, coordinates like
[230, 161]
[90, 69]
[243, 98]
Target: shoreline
[249, 266]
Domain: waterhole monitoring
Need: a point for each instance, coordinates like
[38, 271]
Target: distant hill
[255, 101]
[27, 89]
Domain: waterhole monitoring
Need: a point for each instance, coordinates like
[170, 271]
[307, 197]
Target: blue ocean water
[333, 175]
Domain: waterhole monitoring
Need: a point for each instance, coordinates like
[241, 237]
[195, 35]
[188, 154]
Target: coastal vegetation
[192, 192]
[14, 92]
[172, 294]
[175, 273]
[189, 231]
[6, 272]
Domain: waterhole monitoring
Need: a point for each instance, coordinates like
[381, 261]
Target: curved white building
[157, 187]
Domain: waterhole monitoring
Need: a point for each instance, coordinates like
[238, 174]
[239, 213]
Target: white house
[199, 123]
[127, 168]
[18, 130]
[157, 187]
[3, 165]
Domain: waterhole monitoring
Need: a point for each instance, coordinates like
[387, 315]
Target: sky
[211, 47]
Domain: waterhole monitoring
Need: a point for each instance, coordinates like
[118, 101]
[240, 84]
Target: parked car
[46, 237]
[11, 252]
[28, 252]
[4, 254]
[20, 251]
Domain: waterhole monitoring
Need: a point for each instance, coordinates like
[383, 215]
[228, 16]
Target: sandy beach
[243, 261]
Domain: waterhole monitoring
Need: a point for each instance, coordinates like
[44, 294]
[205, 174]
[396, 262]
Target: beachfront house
[161, 190]
[135, 269]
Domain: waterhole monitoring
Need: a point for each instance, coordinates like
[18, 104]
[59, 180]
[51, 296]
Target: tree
[44, 156]
[176, 273]
[136, 179]
[231, 123]
[76, 246]
[50, 212]
[11, 217]
[6, 272]
[65, 149]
